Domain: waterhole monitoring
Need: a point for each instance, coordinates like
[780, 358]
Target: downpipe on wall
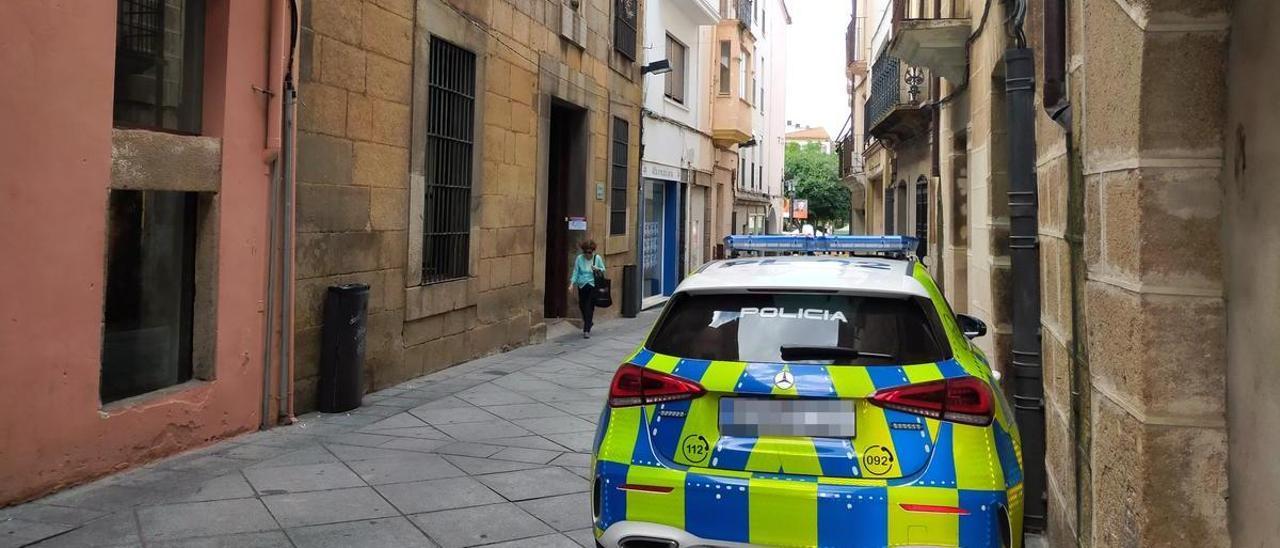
[1024, 252]
[278, 151]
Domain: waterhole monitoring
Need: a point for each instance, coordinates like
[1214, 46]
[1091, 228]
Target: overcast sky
[816, 87]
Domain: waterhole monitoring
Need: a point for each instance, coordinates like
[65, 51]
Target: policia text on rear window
[810, 328]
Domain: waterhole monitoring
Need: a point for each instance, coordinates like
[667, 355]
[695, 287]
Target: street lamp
[661, 66]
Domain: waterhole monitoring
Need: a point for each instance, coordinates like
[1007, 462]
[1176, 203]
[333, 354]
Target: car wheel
[1006, 534]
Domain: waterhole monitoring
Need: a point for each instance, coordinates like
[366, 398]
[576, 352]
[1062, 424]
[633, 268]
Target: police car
[825, 400]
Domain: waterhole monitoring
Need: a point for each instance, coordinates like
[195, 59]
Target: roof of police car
[796, 273]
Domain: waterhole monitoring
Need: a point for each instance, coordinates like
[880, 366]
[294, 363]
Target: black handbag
[603, 295]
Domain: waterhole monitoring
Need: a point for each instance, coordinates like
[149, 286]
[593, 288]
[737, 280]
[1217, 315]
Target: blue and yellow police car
[827, 397]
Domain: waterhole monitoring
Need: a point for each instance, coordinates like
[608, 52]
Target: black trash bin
[342, 348]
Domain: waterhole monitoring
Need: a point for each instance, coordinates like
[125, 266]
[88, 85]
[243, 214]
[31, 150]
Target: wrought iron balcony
[742, 11]
[932, 34]
[897, 108]
[850, 152]
[855, 58]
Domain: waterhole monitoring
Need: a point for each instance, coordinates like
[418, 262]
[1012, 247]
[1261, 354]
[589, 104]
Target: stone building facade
[445, 146]
[1156, 256]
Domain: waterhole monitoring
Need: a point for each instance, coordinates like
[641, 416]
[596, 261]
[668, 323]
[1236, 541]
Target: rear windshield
[753, 327]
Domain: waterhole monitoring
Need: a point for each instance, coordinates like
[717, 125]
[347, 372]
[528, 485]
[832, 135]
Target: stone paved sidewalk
[491, 452]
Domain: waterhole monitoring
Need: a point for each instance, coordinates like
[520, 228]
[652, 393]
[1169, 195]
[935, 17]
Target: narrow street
[492, 451]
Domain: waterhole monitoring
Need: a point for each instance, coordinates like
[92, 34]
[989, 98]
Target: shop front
[663, 193]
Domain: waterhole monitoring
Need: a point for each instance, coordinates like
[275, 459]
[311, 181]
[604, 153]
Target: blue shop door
[670, 237]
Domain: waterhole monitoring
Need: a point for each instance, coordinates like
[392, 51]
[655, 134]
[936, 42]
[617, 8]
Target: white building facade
[758, 207]
[676, 232]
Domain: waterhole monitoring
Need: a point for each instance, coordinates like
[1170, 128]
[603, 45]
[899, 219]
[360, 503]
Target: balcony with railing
[855, 57]
[852, 172]
[932, 34]
[742, 11]
[898, 107]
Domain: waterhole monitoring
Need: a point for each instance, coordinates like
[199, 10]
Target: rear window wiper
[792, 352]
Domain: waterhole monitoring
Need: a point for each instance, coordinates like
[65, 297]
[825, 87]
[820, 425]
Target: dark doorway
[566, 180]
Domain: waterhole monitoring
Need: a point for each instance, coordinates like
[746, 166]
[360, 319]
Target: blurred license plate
[754, 417]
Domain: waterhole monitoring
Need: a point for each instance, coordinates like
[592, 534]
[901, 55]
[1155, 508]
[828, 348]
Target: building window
[446, 238]
[159, 64]
[888, 211]
[624, 28]
[148, 309]
[759, 86]
[675, 78]
[743, 63]
[922, 215]
[761, 168]
[725, 71]
[743, 181]
[619, 175]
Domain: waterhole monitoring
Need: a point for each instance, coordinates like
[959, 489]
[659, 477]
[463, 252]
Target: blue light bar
[816, 244]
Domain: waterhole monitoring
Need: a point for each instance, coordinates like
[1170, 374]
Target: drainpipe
[277, 41]
[278, 152]
[1024, 251]
[637, 281]
[269, 305]
[287, 257]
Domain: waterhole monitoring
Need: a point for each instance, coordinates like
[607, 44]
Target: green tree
[817, 179]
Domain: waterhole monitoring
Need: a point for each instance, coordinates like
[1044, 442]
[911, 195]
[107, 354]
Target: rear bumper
[627, 534]
[704, 508]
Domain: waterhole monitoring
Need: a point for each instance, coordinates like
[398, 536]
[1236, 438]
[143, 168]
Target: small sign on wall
[600, 191]
[578, 224]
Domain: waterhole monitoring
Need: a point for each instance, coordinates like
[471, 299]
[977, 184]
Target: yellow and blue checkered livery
[903, 479]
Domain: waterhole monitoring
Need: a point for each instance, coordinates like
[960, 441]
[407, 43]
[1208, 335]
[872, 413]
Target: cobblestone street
[491, 452]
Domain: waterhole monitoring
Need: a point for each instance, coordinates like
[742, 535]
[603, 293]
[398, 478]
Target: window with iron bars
[618, 192]
[624, 27]
[446, 241]
[159, 65]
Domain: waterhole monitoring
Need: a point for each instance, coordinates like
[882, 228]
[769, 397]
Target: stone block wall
[1152, 156]
[1134, 313]
[986, 270]
[362, 104]
[1138, 455]
[352, 174]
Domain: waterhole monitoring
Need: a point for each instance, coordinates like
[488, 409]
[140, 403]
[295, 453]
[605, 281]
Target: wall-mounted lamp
[661, 66]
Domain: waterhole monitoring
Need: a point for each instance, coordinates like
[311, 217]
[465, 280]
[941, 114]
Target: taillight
[965, 400]
[634, 385]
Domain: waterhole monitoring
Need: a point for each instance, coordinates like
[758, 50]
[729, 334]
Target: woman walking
[585, 268]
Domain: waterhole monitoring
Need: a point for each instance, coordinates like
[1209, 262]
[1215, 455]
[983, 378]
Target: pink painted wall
[57, 66]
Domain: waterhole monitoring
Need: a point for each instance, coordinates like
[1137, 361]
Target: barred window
[446, 239]
[624, 27]
[159, 64]
[618, 189]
